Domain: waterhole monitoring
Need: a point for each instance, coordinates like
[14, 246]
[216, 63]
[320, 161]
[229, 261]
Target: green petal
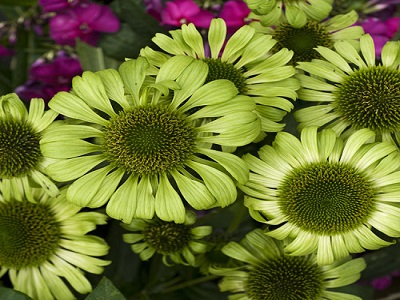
[191, 79]
[325, 251]
[281, 58]
[169, 206]
[239, 103]
[216, 36]
[390, 55]
[334, 58]
[194, 39]
[304, 244]
[290, 149]
[46, 183]
[295, 16]
[346, 50]
[36, 111]
[194, 192]
[114, 87]
[233, 164]
[218, 183]
[73, 275]
[255, 50]
[354, 143]
[315, 83]
[65, 132]
[273, 75]
[375, 154]
[82, 191]
[261, 242]
[339, 296]
[133, 73]
[326, 143]
[236, 43]
[122, 204]
[310, 144]
[331, 73]
[72, 148]
[107, 189]
[237, 251]
[168, 44]
[12, 107]
[317, 96]
[174, 67]
[70, 169]
[145, 205]
[210, 94]
[341, 21]
[90, 87]
[74, 107]
[368, 49]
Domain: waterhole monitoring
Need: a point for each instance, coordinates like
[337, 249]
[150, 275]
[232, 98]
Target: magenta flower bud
[57, 5]
[380, 31]
[234, 13]
[85, 21]
[180, 12]
[60, 71]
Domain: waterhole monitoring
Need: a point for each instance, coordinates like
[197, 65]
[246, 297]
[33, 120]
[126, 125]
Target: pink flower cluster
[381, 30]
[178, 12]
[79, 19]
[50, 76]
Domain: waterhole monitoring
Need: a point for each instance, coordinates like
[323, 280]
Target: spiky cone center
[285, 278]
[302, 41]
[217, 69]
[19, 148]
[326, 198]
[149, 140]
[29, 234]
[168, 237]
[370, 98]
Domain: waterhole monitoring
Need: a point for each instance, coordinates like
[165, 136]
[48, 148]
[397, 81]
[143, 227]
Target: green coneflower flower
[353, 91]
[297, 12]
[267, 272]
[330, 196]
[145, 152]
[21, 161]
[304, 39]
[244, 59]
[44, 240]
[179, 243]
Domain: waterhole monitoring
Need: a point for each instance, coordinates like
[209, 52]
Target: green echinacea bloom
[331, 197]
[244, 59]
[177, 243]
[21, 161]
[44, 240]
[353, 90]
[297, 12]
[267, 272]
[145, 151]
[303, 40]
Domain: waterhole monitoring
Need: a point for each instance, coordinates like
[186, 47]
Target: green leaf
[93, 58]
[381, 262]
[10, 294]
[19, 2]
[105, 290]
[137, 30]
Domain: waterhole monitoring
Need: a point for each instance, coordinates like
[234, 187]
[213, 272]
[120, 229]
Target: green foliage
[105, 290]
[137, 29]
[10, 294]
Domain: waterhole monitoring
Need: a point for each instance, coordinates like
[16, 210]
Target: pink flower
[85, 21]
[381, 31]
[180, 12]
[234, 13]
[57, 5]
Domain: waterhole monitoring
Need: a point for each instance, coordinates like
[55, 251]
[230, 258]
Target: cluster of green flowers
[159, 139]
